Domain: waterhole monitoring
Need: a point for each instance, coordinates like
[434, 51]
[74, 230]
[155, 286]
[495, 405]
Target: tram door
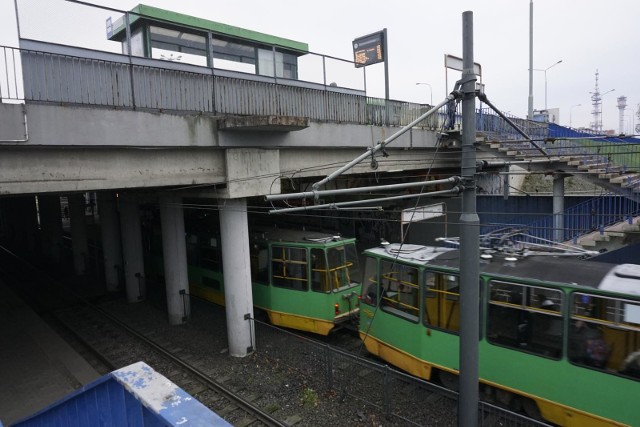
[442, 301]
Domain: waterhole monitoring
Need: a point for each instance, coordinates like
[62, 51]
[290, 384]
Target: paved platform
[37, 367]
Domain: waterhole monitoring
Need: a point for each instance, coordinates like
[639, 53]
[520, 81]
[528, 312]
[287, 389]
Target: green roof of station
[143, 11]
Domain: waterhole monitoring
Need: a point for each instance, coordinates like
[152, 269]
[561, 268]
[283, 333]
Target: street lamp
[570, 110]
[602, 109]
[545, 80]
[430, 90]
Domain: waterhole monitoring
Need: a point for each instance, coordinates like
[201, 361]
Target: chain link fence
[402, 398]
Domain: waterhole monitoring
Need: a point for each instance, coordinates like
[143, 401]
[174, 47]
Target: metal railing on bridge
[67, 75]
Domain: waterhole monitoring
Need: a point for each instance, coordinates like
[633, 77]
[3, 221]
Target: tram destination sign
[368, 49]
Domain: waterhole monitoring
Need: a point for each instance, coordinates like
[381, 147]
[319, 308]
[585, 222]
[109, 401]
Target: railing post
[329, 372]
[140, 279]
[386, 399]
[183, 293]
[128, 32]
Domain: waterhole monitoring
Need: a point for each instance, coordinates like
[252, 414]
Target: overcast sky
[587, 35]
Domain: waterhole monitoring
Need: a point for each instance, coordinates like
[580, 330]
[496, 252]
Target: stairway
[590, 160]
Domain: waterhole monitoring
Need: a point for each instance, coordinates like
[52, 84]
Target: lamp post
[430, 91]
[570, 110]
[545, 80]
[602, 109]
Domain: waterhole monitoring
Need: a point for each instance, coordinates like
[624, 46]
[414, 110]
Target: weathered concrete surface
[263, 123]
[66, 169]
[69, 125]
[12, 123]
[89, 149]
[252, 172]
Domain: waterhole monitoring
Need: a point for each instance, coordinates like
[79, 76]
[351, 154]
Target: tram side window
[605, 334]
[343, 265]
[319, 274]
[371, 288]
[525, 317]
[289, 267]
[401, 295]
[442, 301]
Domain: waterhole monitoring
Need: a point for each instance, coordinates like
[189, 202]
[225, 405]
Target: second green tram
[304, 280]
[559, 337]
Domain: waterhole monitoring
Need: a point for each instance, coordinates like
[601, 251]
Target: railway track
[120, 345]
[291, 379]
[108, 343]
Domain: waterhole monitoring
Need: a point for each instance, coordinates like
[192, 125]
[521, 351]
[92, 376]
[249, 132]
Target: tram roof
[547, 268]
[300, 236]
[143, 13]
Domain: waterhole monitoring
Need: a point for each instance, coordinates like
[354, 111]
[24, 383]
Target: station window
[442, 301]
[605, 334]
[400, 290]
[178, 45]
[528, 318]
[289, 267]
[286, 64]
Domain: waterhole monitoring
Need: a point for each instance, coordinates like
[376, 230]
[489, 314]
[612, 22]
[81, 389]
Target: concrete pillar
[79, 240]
[174, 252]
[558, 207]
[28, 219]
[16, 218]
[234, 230]
[110, 232]
[12, 224]
[506, 179]
[51, 226]
[132, 248]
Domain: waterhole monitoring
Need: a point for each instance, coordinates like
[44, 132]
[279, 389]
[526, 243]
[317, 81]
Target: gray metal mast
[469, 240]
[530, 111]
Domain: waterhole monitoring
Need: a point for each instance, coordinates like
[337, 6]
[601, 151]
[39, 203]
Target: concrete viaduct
[88, 122]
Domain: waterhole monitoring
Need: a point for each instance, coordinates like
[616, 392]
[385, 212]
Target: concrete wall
[72, 148]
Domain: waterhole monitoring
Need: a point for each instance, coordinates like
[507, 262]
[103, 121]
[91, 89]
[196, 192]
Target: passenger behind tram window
[587, 345]
[631, 365]
[552, 324]
[374, 291]
[524, 328]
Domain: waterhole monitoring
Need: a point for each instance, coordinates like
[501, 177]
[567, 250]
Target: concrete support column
[132, 248]
[79, 240]
[506, 189]
[234, 230]
[27, 220]
[174, 252]
[111, 246]
[558, 207]
[51, 225]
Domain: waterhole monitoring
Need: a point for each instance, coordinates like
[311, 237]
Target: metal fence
[401, 398]
[70, 75]
[593, 214]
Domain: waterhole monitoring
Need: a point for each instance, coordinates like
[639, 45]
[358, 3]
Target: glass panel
[286, 64]
[343, 266]
[234, 56]
[371, 289]
[525, 317]
[137, 43]
[175, 45]
[441, 301]
[401, 294]
[604, 334]
[319, 274]
[289, 267]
